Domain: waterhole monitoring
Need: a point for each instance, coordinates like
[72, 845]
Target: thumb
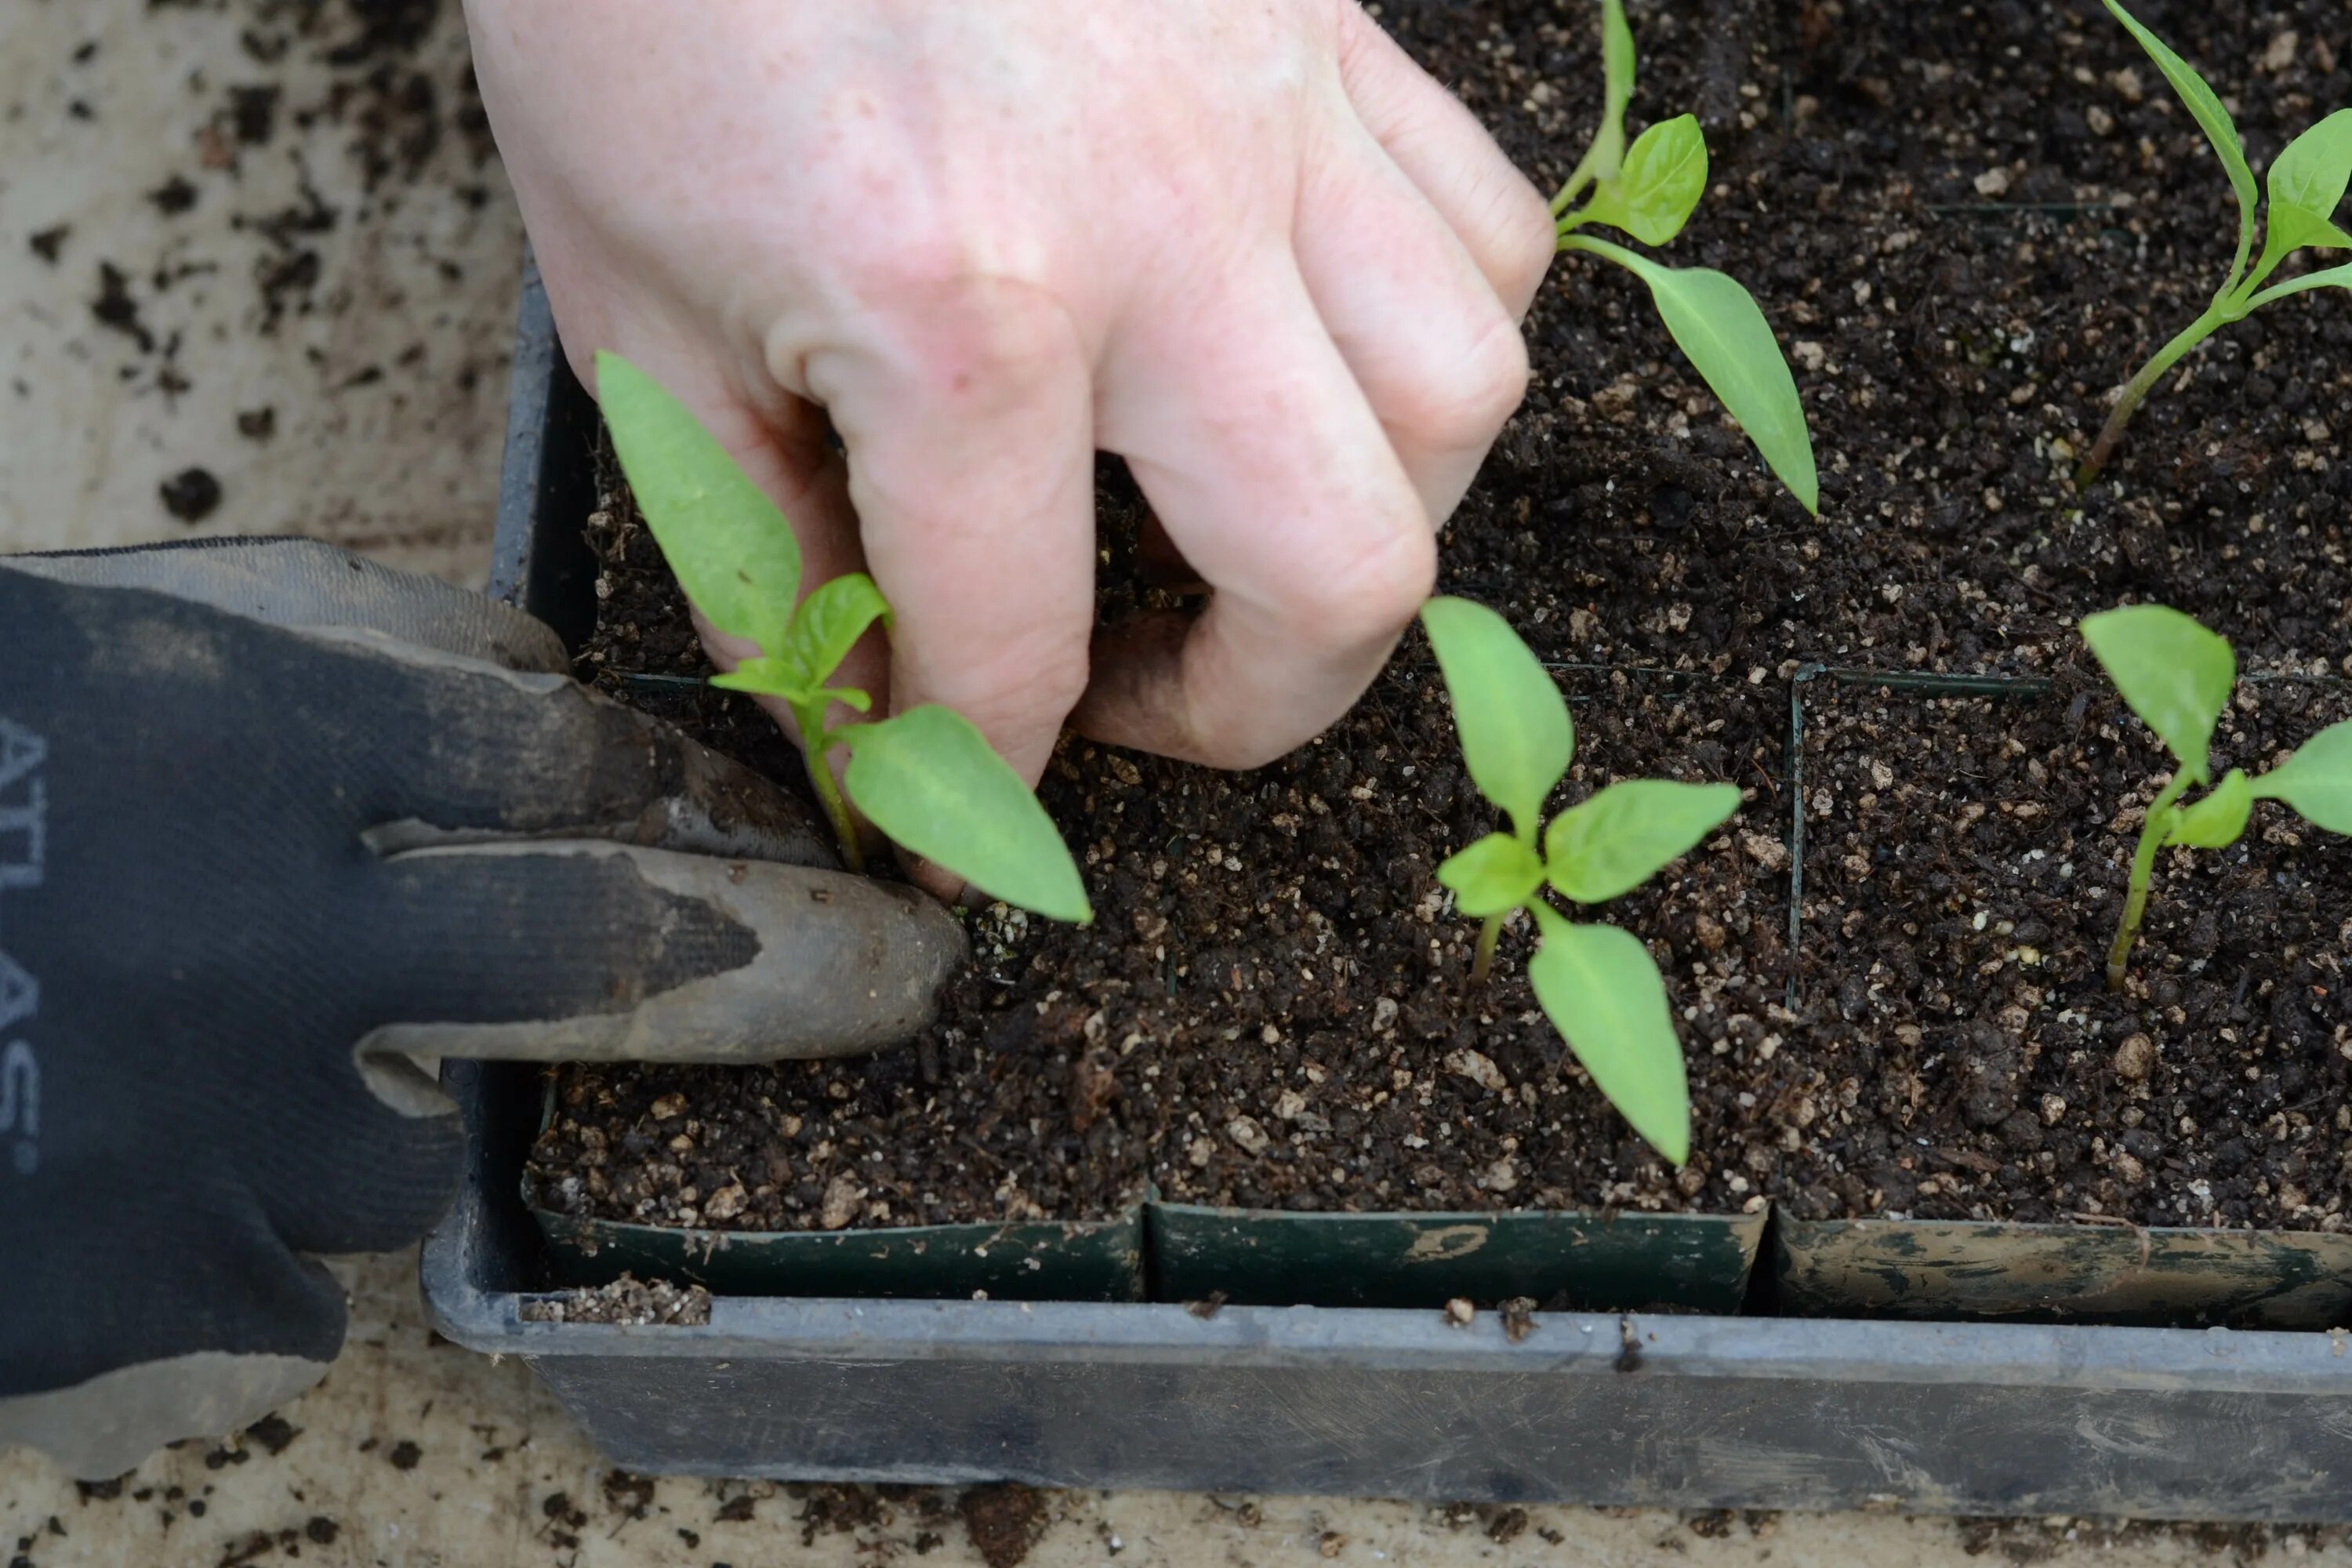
[597, 951]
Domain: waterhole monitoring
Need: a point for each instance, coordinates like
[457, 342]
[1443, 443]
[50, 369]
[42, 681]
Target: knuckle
[1372, 596]
[1463, 406]
[1525, 242]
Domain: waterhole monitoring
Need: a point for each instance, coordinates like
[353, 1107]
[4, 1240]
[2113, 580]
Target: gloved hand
[1248, 245]
[273, 821]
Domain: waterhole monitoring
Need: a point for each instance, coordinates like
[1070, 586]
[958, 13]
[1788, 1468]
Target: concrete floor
[214, 208]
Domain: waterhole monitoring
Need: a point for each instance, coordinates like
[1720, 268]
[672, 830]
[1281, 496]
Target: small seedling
[1598, 985]
[2306, 185]
[1649, 190]
[2179, 677]
[927, 777]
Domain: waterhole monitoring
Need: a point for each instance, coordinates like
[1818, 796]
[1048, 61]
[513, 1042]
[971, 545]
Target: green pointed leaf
[2316, 781]
[1493, 876]
[2220, 819]
[2176, 675]
[1654, 195]
[929, 780]
[764, 677]
[732, 550]
[2329, 277]
[1602, 990]
[2206, 108]
[1720, 325]
[849, 697]
[1517, 737]
[1602, 159]
[830, 622]
[2308, 185]
[1619, 839]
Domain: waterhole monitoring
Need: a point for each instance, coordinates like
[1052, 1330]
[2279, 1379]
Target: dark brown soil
[1004, 1522]
[1966, 863]
[1272, 1009]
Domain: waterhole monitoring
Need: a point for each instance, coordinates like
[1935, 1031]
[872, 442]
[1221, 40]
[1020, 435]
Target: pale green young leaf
[1602, 991]
[1493, 876]
[2220, 819]
[2316, 781]
[1720, 325]
[732, 550]
[2209, 113]
[1619, 839]
[2176, 675]
[764, 677]
[1602, 159]
[1655, 194]
[1517, 737]
[929, 780]
[830, 622]
[2328, 278]
[2307, 184]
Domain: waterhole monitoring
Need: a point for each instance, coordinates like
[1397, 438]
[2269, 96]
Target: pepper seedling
[1597, 984]
[927, 777]
[2179, 677]
[2306, 184]
[1648, 191]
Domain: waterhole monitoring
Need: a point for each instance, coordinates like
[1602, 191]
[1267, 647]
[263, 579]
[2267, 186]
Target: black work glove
[275, 820]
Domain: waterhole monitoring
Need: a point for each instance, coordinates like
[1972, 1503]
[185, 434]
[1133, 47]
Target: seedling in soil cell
[1649, 190]
[927, 777]
[2177, 677]
[1598, 985]
[2306, 185]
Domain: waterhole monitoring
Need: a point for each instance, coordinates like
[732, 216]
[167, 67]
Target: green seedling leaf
[930, 781]
[763, 677]
[830, 622]
[1628, 833]
[2308, 185]
[2206, 106]
[2316, 781]
[1720, 325]
[1660, 185]
[2220, 819]
[1493, 876]
[2176, 675]
[1606, 155]
[1603, 993]
[1517, 737]
[732, 550]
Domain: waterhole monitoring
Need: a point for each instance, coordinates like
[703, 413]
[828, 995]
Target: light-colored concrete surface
[378, 341]
[343, 257]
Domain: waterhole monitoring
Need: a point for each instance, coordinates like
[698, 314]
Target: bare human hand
[1245, 244]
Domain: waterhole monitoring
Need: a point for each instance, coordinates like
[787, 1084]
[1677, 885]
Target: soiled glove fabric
[273, 822]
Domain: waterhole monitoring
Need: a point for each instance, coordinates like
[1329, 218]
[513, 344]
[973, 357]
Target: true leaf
[2317, 780]
[930, 781]
[1602, 159]
[2308, 185]
[2220, 819]
[1602, 991]
[1663, 177]
[1517, 737]
[1619, 838]
[732, 550]
[764, 677]
[2329, 277]
[1720, 325]
[1492, 876]
[830, 622]
[2206, 108]
[2176, 675]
